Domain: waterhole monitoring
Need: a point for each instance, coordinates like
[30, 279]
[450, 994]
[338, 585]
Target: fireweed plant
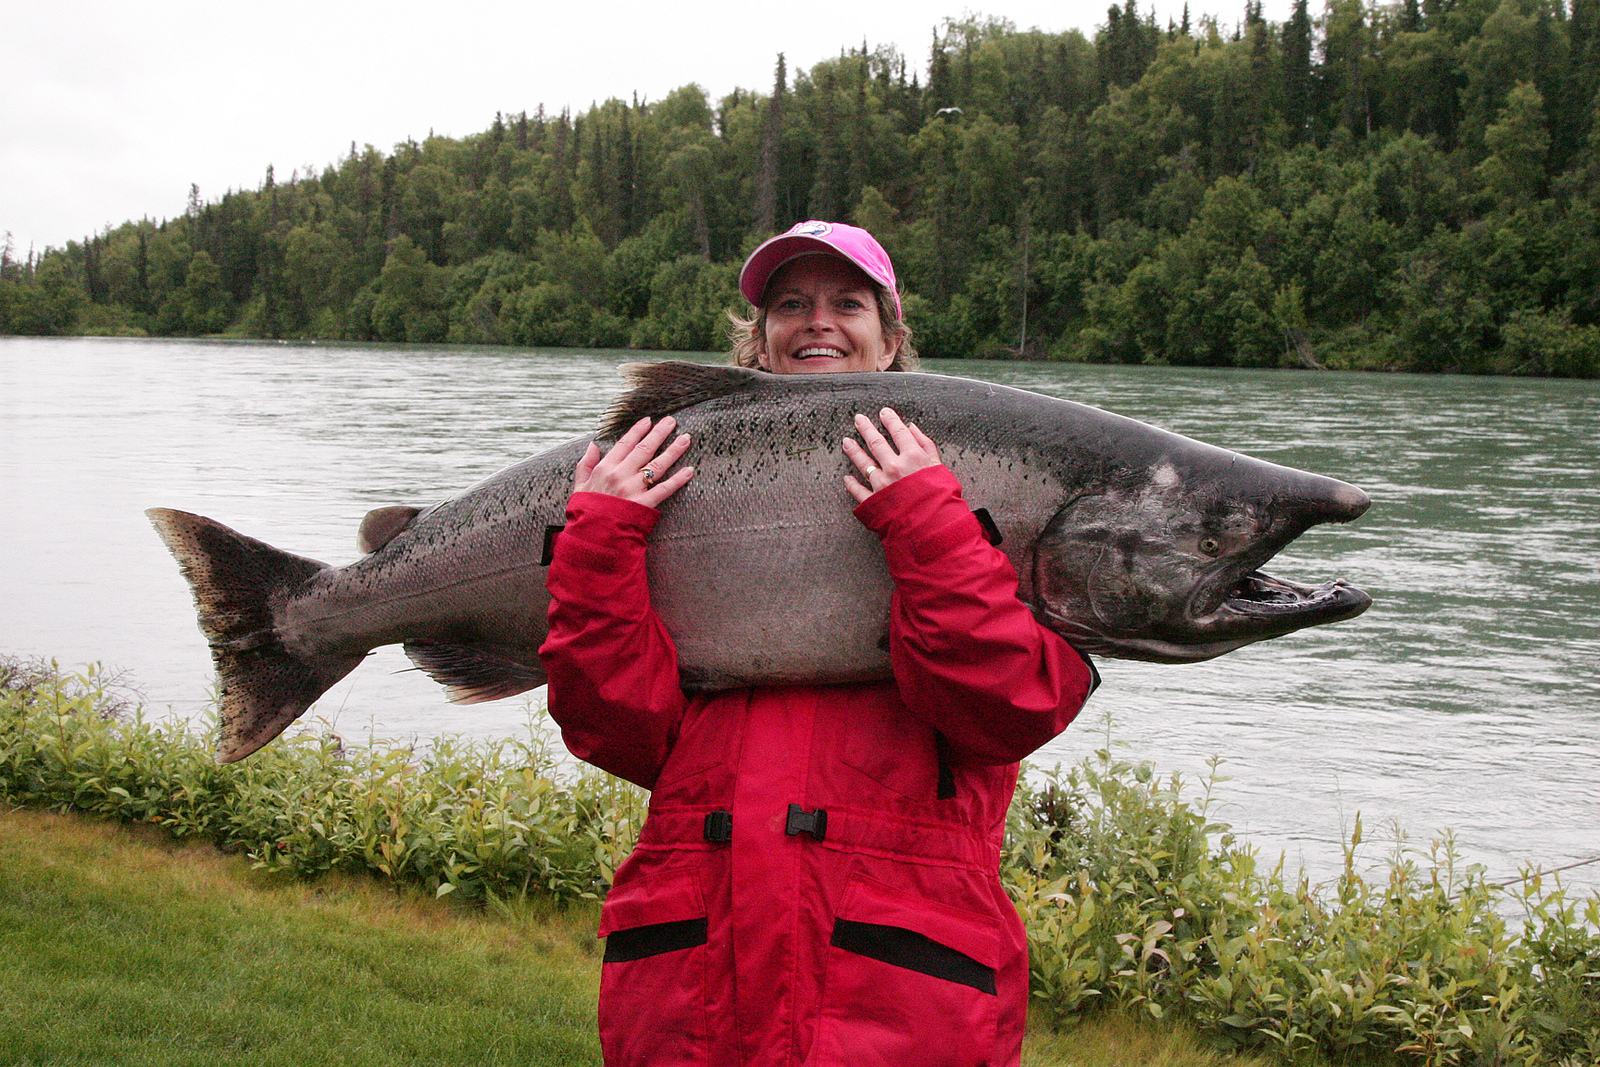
[1134, 897]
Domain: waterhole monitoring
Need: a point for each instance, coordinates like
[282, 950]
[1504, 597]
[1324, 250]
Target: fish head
[1164, 565]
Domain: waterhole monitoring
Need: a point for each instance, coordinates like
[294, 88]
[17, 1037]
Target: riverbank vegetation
[1411, 185]
[1135, 900]
[141, 950]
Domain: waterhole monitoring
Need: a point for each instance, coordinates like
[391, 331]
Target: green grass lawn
[121, 946]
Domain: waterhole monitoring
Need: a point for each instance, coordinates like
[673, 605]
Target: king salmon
[1127, 540]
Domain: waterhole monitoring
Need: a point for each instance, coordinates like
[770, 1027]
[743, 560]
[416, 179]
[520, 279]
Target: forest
[1411, 186]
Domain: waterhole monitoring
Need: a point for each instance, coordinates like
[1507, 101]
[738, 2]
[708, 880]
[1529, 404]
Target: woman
[817, 878]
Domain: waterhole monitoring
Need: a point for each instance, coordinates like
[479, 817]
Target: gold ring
[649, 477]
[870, 468]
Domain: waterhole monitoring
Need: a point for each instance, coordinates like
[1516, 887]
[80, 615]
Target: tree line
[1407, 186]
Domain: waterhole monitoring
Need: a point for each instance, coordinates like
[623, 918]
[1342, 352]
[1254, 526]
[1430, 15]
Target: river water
[1466, 699]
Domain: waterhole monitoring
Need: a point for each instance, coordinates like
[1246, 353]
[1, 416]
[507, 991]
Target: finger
[659, 464]
[868, 468]
[924, 441]
[651, 441]
[883, 452]
[630, 438]
[867, 429]
[665, 488]
[616, 455]
[672, 453]
[585, 470]
[897, 428]
[860, 457]
[633, 451]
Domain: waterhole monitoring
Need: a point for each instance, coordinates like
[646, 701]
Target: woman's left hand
[885, 460]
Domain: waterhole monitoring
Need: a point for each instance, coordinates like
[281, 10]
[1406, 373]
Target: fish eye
[1211, 546]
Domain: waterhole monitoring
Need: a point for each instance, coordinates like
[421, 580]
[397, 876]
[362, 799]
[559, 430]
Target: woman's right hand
[622, 470]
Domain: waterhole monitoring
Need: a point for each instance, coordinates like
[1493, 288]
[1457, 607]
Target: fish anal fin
[668, 386]
[475, 673]
[382, 524]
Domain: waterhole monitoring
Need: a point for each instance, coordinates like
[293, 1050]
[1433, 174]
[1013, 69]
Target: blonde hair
[748, 331]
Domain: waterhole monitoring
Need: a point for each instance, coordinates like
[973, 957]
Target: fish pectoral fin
[382, 524]
[473, 674]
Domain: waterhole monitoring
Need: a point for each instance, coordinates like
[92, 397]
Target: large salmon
[1127, 540]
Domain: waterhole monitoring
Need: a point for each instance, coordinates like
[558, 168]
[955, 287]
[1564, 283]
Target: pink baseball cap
[850, 243]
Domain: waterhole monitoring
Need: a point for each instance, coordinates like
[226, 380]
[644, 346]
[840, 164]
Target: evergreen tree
[828, 186]
[1296, 73]
[941, 91]
[1125, 46]
[1580, 85]
[771, 147]
[1344, 74]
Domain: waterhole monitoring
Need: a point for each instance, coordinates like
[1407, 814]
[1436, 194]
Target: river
[1466, 699]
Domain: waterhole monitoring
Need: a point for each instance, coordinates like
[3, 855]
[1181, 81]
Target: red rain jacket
[747, 927]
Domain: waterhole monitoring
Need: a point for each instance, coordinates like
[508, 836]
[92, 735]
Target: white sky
[109, 109]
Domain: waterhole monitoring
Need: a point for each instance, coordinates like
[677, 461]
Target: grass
[123, 946]
[1117, 1040]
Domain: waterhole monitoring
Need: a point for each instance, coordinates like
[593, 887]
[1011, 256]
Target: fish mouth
[1273, 606]
[1259, 607]
[1255, 607]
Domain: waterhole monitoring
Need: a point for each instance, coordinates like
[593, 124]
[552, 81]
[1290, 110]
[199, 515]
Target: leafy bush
[1133, 898]
[478, 819]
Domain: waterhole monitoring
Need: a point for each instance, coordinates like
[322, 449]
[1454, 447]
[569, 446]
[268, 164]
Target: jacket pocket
[653, 980]
[892, 747]
[909, 983]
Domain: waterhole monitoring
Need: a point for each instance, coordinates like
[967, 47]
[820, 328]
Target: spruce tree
[771, 145]
[1296, 66]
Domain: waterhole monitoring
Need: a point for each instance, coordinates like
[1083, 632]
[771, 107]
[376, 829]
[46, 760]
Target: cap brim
[765, 261]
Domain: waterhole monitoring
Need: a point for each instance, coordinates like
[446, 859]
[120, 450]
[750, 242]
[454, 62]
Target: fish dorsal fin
[381, 526]
[662, 388]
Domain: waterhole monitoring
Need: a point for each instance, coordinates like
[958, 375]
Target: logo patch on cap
[812, 229]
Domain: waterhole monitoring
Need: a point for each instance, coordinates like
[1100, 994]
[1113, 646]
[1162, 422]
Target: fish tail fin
[235, 579]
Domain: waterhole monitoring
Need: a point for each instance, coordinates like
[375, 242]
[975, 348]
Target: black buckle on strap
[719, 827]
[800, 822]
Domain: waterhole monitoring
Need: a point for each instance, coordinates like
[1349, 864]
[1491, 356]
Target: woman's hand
[885, 460]
[636, 466]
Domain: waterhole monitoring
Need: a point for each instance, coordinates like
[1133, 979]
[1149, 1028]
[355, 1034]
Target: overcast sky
[109, 109]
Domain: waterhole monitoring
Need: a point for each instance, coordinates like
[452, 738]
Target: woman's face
[822, 317]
